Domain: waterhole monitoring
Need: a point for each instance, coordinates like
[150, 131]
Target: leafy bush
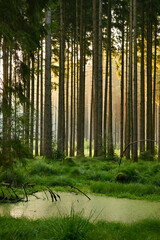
[127, 175]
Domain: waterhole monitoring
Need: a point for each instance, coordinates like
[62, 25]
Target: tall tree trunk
[28, 106]
[149, 78]
[61, 108]
[126, 92]
[71, 107]
[32, 106]
[37, 108]
[135, 122]
[100, 80]
[74, 99]
[5, 105]
[154, 87]
[105, 103]
[110, 133]
[41, 105]
[47, 104]
[91, 116]
[122, 92]
[142, 86]
[129, 100]
[95, 74]
[77, 35]
[67, 101]
[80, 123]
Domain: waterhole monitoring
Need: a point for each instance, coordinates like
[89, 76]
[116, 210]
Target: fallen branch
[80, 191]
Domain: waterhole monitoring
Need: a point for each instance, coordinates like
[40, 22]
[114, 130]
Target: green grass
[75, 227]
[93, 175]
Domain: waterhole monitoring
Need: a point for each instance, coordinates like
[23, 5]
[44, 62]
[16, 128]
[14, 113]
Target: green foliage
[13, 150]
[139, 180]
[77, 228]
[56, 153]
[127, 175]
[147, 156]
[72, 227]
[15, 175]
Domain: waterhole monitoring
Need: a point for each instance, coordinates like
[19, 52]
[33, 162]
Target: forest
[79, 115]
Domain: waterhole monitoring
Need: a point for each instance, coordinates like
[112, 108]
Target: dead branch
[80, 191]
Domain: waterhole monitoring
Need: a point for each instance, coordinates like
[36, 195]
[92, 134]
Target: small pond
[100, 207]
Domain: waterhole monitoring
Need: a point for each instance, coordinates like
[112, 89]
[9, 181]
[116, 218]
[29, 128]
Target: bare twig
[80, 191]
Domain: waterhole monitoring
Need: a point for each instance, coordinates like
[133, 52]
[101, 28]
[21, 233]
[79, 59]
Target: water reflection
[104, 208]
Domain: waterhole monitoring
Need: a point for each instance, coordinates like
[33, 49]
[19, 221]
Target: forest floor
[139, 180]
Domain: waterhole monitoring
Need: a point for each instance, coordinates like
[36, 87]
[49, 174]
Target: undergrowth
[75, 227]
[132, 180]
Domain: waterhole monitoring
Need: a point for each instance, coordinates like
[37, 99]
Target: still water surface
[100, 207]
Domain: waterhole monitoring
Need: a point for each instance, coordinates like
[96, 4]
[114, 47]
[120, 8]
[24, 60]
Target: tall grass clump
[73, 227]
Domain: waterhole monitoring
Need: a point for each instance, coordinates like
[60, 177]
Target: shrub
[127, 175]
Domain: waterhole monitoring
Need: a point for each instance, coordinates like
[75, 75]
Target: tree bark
[149, 78]
[154, 86]
[142, 88]
[80, 123]
[41, 105]
[37, 108]
[122, 91]
[100, 81]
[47, 104]
[135, 121]
[110, 133]
[67, 101]
[95, 74]
[32, 106]
[61, 108]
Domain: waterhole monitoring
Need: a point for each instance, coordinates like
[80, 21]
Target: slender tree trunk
[142, 86]
[154, 87]
[15, 96]
[32, 106]
[77, 35]
[37, 108]
[149, 79]
[67, 100]
[105, 103]
[100, 81]
[91, 117]
[129, 100]
[74, 99]
[110, 133]
[122, 92]
[61, 108]
[41, 106]
[5, 106]
[135, 122]
[47, 104]
[126, 92]
[28, 106]
[95, 74]
[80, 125]
[10, 97]
[71, 107]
